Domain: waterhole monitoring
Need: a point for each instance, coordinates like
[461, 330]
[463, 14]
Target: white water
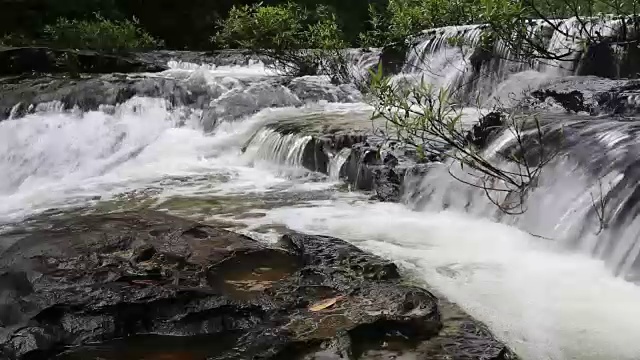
[336, 163]
[545, 301]
[547, 305]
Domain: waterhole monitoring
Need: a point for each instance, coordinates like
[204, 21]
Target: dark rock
[318, 89]
[16, 61]
[616, 57]
[241, 102]
[487, 127]
[599, 60]
[358, 168]
[21, 95]
[379, 167]
[84, 280]
[572, 101]
[392, 58]
[387, 184]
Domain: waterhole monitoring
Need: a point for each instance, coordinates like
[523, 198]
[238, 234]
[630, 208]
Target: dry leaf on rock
[321, 305]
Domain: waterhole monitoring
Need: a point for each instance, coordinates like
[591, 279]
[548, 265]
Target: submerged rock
[71, 287]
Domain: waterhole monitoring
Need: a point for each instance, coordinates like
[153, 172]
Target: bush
[298, 41]
[403, 18]
[99, 34]
[280, 27]
[15, 40]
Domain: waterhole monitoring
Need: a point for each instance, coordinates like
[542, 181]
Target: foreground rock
[16, 61]
[148, 285]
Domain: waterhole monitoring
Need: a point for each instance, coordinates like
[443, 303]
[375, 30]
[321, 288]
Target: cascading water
[270, 145]
[337, 161]
[455, 58]
[585, 198]
[542, 299]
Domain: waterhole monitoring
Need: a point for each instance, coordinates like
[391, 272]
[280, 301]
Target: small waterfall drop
[275, 147]
[337, 162]
[586, 199]
[455, 57]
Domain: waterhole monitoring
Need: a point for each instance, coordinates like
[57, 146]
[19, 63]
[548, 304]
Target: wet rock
[615, 57]
[587, 94]
[314, 89]
[599, 60]
[15, 61]
[233, 57]
[241, 102]
[381, 167]
[358, 170]
[74, 282]
[572, 101]
[392, 58]
[487, 127]
[24, 95]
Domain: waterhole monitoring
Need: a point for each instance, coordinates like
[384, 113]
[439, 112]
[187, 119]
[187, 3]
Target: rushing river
[545, 299]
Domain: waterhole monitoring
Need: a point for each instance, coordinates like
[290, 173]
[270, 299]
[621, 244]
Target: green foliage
[99, 34]
[291, 24]
[403, 18]
[280, 27]
[15, 40]
[299, 42]
[430, 121]
[510, 23]
[251, 27]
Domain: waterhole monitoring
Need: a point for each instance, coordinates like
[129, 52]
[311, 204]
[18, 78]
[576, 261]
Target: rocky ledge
[587, 94]
[372, 163]
[149, 286]
[16, 61]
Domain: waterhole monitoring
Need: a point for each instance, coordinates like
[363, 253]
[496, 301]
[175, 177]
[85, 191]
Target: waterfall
[453, 57]
[549, 296]
[586, 199]
[273, 146]
[337, 161]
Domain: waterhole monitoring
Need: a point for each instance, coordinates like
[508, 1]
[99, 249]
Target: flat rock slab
[147, 285]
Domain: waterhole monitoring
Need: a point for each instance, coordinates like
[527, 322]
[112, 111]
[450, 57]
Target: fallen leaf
[143, 282]
[321, 305]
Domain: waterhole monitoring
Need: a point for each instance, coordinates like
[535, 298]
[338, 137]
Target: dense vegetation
[193, 24]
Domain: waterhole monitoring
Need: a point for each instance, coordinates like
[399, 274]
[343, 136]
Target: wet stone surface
[146, 285]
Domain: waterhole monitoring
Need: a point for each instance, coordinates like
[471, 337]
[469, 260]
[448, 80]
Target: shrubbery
[286, 26]
[403, 18]
[299, 41]
[99, 34]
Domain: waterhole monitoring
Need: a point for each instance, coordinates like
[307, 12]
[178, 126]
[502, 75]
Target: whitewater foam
[545, 304]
